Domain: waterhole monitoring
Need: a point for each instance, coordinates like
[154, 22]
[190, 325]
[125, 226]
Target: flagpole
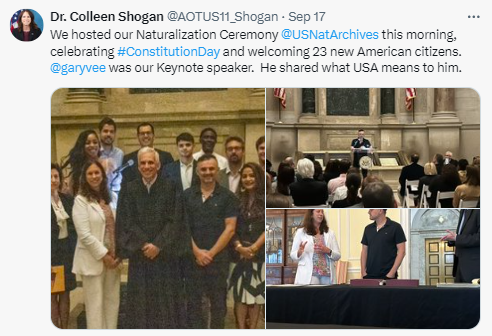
[413, 111]
[279, 110]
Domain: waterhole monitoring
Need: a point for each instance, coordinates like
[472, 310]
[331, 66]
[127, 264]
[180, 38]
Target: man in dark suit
[412, 172]
[466, 241]
[360, 147]
[145, 135]
[183, 171]
[229, 177]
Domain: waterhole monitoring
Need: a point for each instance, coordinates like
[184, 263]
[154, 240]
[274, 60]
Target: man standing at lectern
[360, 147]
[466, 240]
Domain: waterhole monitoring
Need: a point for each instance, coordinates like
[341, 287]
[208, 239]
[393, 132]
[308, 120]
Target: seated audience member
[470, 190]
[430, 172]
[307, 191]
[285, 177]
[332, 170]
[352, 184]
[275, 199]
[447, 181]
[448, 159]
[412, 172]
[269, 169]
[378, 195]
[318, 172]
[368, 180]
[341, 192]
[462, 164]
[476, 161]
[438, 160]
[340, 180]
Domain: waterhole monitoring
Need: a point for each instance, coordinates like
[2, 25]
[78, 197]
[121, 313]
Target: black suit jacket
[131, 173]
[411, 172]
[56, 245]
[466, 265]
[309, 192]
[172, 172]
[33, 34]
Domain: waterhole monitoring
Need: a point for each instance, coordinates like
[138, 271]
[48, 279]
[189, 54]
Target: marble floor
[77, 308]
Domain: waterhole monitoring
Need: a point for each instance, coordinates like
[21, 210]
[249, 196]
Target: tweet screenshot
[266, 165]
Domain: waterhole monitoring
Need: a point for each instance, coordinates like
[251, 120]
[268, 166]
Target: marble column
[444, 124]
[84, 95]
[444, 104]
[83, 101]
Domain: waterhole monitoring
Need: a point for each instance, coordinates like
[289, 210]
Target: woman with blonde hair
[315, 248]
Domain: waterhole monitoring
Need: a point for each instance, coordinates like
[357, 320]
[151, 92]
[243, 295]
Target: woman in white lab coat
[315, 248]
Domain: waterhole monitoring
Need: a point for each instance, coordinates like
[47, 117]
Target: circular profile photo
[26, 25]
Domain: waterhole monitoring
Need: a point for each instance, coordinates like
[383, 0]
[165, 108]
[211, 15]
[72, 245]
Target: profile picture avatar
[26, 25]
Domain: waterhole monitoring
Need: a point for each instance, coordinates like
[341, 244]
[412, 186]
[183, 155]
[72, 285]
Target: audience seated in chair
[447, 181]
[378, 195]
[352, 184]
[430, 172]
[307, 191]
[470, 190]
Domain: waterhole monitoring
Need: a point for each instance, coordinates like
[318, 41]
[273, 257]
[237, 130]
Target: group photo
[157, 208]
[373, 147]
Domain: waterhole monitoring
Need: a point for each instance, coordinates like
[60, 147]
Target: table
[423, 307]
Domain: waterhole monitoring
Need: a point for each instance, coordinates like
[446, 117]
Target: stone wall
[228, 111]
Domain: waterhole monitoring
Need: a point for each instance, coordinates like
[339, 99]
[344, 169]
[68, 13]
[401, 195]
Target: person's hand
[451, 236]
[302, 246]
[110, 262]
[320, 248]
[246, 252]
[150, 251]
[391, 275]
[363, 273]
[203, 257]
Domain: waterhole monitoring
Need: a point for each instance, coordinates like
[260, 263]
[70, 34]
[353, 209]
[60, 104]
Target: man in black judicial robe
[149, 235]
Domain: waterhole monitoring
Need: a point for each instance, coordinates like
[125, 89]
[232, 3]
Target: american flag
[280, 94]
[411, 94]
[14, 19]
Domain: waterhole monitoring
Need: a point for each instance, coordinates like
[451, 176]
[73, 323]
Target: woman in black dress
[248, 277]
[63, 240]
[86, 148]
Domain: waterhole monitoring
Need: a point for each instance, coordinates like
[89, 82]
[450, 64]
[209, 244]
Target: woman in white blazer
[95, 259]
[315, 249]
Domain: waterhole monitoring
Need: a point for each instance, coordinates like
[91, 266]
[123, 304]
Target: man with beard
[151, 236]
[211, 214]
[146, 135]
[113, 155]
[230, 176]
[208, 139]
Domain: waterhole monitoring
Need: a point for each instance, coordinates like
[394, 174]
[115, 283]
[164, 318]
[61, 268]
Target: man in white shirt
[183, 171]
[208, 139]
[109, 153]
[230, 176]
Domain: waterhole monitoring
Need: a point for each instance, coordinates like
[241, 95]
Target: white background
[29, 84]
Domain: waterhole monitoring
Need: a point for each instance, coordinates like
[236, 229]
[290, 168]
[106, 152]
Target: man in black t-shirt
[383, 247]
[360, 147]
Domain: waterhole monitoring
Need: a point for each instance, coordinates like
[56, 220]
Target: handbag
[57, 279]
